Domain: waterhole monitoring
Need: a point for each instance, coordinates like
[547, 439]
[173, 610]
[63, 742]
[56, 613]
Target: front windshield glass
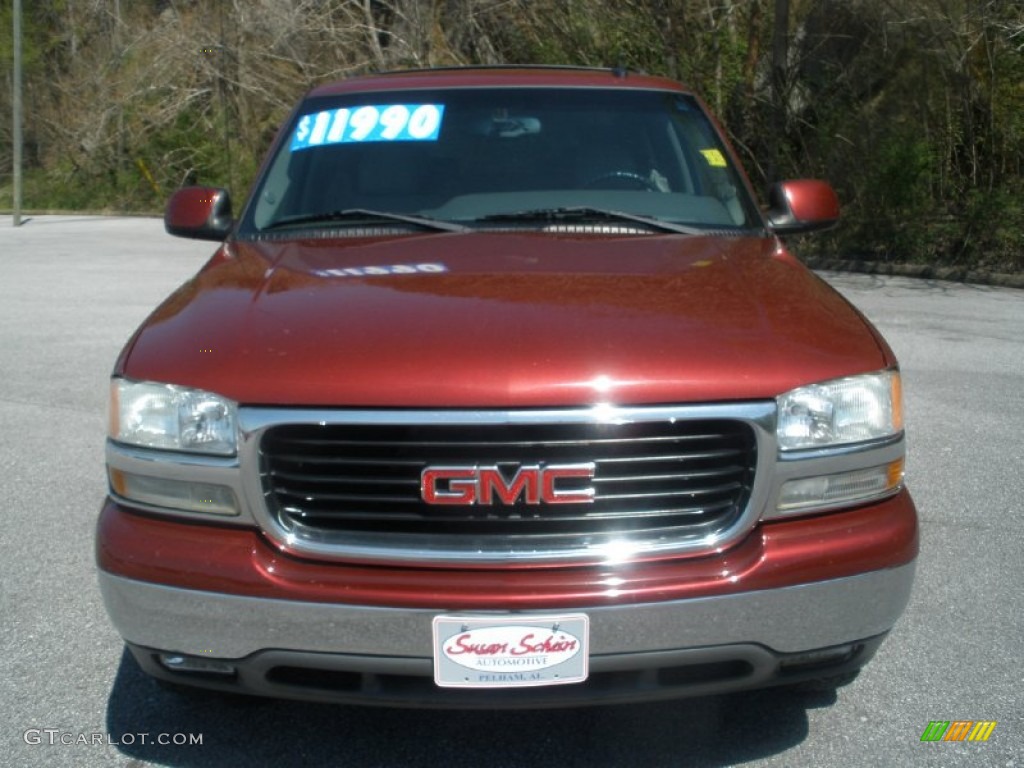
[484, 156]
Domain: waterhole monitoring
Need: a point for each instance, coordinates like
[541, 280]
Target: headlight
[849, 410]
[173, 418]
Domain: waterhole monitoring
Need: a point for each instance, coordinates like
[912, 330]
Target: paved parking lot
[72, 289]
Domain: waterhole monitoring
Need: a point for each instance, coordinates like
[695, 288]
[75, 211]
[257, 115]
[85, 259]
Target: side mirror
[202, 213]
[804, 205]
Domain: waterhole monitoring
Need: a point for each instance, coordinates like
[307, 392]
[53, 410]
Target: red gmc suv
[503, 391]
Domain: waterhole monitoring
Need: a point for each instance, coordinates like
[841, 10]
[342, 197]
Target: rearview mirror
[803, 205]
[202, 213]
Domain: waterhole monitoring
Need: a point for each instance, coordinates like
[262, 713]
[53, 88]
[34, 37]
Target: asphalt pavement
[72, 289]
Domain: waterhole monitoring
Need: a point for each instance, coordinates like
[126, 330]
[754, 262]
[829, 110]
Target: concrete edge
[921, 271]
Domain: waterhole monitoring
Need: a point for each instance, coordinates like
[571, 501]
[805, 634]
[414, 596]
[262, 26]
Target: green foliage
[993, 236]
[915, 110]
[33, 39]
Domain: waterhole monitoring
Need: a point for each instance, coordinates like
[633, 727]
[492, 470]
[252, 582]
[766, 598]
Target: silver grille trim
[298, 497]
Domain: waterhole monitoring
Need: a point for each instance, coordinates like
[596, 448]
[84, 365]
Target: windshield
[498, 157]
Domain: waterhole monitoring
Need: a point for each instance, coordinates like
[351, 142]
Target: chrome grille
[656, 483]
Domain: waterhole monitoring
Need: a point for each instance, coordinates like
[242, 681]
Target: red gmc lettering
[485, 485]
[492, 481]
[461, 486]
[554, 496]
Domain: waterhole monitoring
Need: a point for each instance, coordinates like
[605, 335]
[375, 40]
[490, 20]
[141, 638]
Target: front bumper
[615, 679]
[803, 598]
[351, 654]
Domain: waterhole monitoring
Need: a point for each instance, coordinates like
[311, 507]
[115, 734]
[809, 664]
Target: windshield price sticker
[714, 157]
[383, 122]
[521, 651]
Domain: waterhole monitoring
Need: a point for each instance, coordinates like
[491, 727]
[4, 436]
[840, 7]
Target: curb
[921, 271]
[7, 212]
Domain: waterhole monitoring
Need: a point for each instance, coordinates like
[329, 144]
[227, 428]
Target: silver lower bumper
[788, 620]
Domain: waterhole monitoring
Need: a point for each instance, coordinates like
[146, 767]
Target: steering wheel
[628, 178]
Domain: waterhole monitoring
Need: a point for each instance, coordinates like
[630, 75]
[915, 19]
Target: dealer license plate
[510, 651]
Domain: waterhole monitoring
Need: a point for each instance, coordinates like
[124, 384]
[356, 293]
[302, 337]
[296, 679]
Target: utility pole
[16, 109]
[222, 63]
[779, 80]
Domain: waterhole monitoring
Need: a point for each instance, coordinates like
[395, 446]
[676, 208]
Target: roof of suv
[475, 77]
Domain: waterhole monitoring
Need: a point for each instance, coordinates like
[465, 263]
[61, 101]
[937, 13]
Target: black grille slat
[345, 497]
[714, 455]
[284, 478]
[294, 476]
[509, 443]
[637, 517]
[652, 481]
[669, 494]
[669, 476]
[300, 459]
[386, 507]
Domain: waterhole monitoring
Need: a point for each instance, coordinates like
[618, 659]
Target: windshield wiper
[366, 216]
[588, 214]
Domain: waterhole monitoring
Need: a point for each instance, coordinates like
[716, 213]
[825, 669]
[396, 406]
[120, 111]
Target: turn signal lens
[842, 489]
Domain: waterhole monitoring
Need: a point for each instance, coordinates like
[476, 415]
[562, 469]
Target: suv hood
[502, 320]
